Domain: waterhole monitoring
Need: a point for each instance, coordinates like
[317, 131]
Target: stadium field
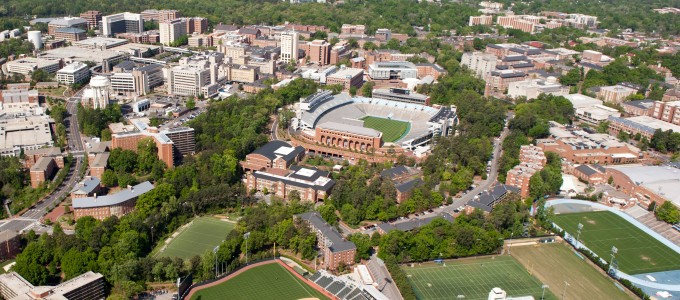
[638, 252]
[555, 263]
[203, 234]
[473, 278]
[270, 281]
[392, 130]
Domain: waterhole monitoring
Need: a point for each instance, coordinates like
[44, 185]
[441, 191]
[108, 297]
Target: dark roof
[515, 58]
[269, 150]
[86, 186]
[408, 185]
[301, 177]
[590, 66]
[413, 223]
[394, 172]
[587, 170]
[488, 199]
[224, 27]
[249, 30]
[120, 197]
[523, 65]
[337, 242]
[642, 104]
[494, 46]
[125, 65]
[599, 168]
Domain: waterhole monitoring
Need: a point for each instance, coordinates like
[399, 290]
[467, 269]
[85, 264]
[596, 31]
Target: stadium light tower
[614, 251]
[246, 236]
[578, 233]
[217, 248]
[545, 286]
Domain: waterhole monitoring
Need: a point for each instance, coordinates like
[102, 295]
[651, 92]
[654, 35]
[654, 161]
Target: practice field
[473, 278]
[271, 281]
[392, 130]
[638, 252]
[555, 263]
[203, 234]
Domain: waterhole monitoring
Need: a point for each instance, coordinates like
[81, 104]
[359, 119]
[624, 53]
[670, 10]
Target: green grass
[392, 130]
[473, 278]
[270, 281]
[638, 251]
[203, 234]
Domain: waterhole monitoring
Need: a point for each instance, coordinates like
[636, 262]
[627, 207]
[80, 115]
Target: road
[275, 128]
[33, 215]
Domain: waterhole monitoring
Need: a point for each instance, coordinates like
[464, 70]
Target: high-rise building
[76, 72]
[160, 15]
[172, 30]
[187, 80]
[93, 18]
[122, 23]
[319, 52]
[289, 46]
[196, 25]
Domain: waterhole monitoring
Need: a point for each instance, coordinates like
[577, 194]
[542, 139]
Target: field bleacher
[343, 289]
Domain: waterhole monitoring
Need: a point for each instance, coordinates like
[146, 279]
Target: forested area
[94, 122]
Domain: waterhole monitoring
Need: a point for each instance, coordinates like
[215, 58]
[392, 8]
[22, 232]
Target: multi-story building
[87, 187]
[383, 34]
[499, 80]
[10, 245]
[171, 30]
[667, 111]
[318, 52]
[429, 69]
[404, 178]
[639, 107]
[76, 72]
[93, 18]
[532, 88]
[19, 100]
[196, 25]
[353, 30]
[67, 22]
[70, 34]
[289, 46]
[118, 204]
[172, 144]
[160, 15]
[239, 73]
[42, 171]
[273, 155]
[348, 137]
[401, 95]
[86, 286]
[591, 174]
[644, 125]
[479, 63]
[480, 20]
[392, 70]
[527, 23]
[32, 156]
[310, 184]
[122, 23]
[339, 52]
[532, 159]
[347, 77]
[138, 81]
[615, 94]
[27, 65]
[336, 249]
[187, 80]
[29, 132]
[596, 114]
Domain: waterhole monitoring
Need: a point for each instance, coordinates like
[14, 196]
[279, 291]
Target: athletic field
[203, 234]
[392, 130]
[473, 278]
[271, 281]
[555, 263]
[638, 252]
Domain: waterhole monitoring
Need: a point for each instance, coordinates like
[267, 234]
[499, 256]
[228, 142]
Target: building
[647, 183]
[70, 34]
[615, 94]
[73, 73]
[172, 144]
[428, 69]
[171, 30]
[289, 47]
[532, 159]
[639, 107]
[310, 184]
[67, 22]
[275, 154]
[336, 249]
[160, 15]
[479, 63]
[353, 30]
[532, 88]
[187, 80]
[644, 125]
[488, 199]
[27, 65]
[318, 52]
[32, 156]
[87, 187]
[383, 34]
[592, 174]
[596, 114]
[27, 132]
[527, 23]
[42, 171]
[102, 207]
[196, 25]
[392, 70]
[405, 179]
[87, 286]
[480, 20]
[499, 81]
[98, 163]
[19, 100]
[93, 18]
[10, 245]
[401, 95]
[347, 77]
[239, 73]
[666, 111]
[122, 23]
[137, 81]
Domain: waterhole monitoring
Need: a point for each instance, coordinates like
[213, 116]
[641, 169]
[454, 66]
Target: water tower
[98, 92]
[35, 37]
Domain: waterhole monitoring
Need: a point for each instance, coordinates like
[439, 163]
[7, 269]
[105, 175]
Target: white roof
[580, 101]
[663, 181]
[284, 150]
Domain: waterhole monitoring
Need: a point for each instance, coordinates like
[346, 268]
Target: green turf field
[473, 278]
[270, 281]
[638, 251]
[203, 234]
[392, 130]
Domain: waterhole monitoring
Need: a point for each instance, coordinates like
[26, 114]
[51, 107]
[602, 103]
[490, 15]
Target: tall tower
[289, 46]
[98, 92]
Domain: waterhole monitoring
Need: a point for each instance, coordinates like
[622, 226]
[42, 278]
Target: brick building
[92, 17]
[88, 187]
[532, 159]
[592, 174]
[42, 171]
[667, 111]
[318, 52]
[580, 147]
[311, 184]
[405, 179]
[347, 77]
[336, 249]
[32, 156]
[353, 138]
[119, 204]
[275, 154]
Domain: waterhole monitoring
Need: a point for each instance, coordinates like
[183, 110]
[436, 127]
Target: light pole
[566, 284]
[578, 235]
[152, 236]
[614, 251]
[215, 252]
[246, 236]
[545, 286]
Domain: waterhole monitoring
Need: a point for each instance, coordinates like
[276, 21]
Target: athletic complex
[369, 128]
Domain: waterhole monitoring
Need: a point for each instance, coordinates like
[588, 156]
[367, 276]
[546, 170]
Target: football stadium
[344, 126]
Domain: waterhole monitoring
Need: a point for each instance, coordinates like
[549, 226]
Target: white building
[479, 63]
[596, 114]
[187, 80]
[385, 70]
[122, 83]
[122, 23]
[171, 30]
[29, 64]
[289, 46]
[532, 88]
[76, 72]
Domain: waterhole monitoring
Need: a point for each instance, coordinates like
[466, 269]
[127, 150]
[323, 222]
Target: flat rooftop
[74, 53]
[100, 41]
[655, 123]
[25, 131]
[663, 181]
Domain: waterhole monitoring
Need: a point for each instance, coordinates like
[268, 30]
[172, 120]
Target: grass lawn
[473, 278]
[392, 130]
[555, 263]
[203, 234]
[270, 281]
[638, 251]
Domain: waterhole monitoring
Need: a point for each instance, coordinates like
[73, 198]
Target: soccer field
[271, 281]
[392, 130]
[203, 234]
[473, 278]
[638, 252]
[555, 263]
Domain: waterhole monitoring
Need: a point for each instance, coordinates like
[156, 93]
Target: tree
[668, 213]
[191, 103]
[109, 178]
[147, 155]
[353, 91]
[367, 89]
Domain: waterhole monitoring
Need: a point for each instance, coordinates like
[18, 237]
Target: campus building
[93, 18]
[531, 160]
[76, 72]
[122, 23]
[336, 249]
[172, 144]
[87, 286]
[392, 70]
[401, 95]
[27, 65]
[118, 204]
[88, 187]
[275, 154]
[310, 184]
[318, 52]
[289, 46]
[67, 22]
[404, 178]
[347, 77]
[18, 100]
